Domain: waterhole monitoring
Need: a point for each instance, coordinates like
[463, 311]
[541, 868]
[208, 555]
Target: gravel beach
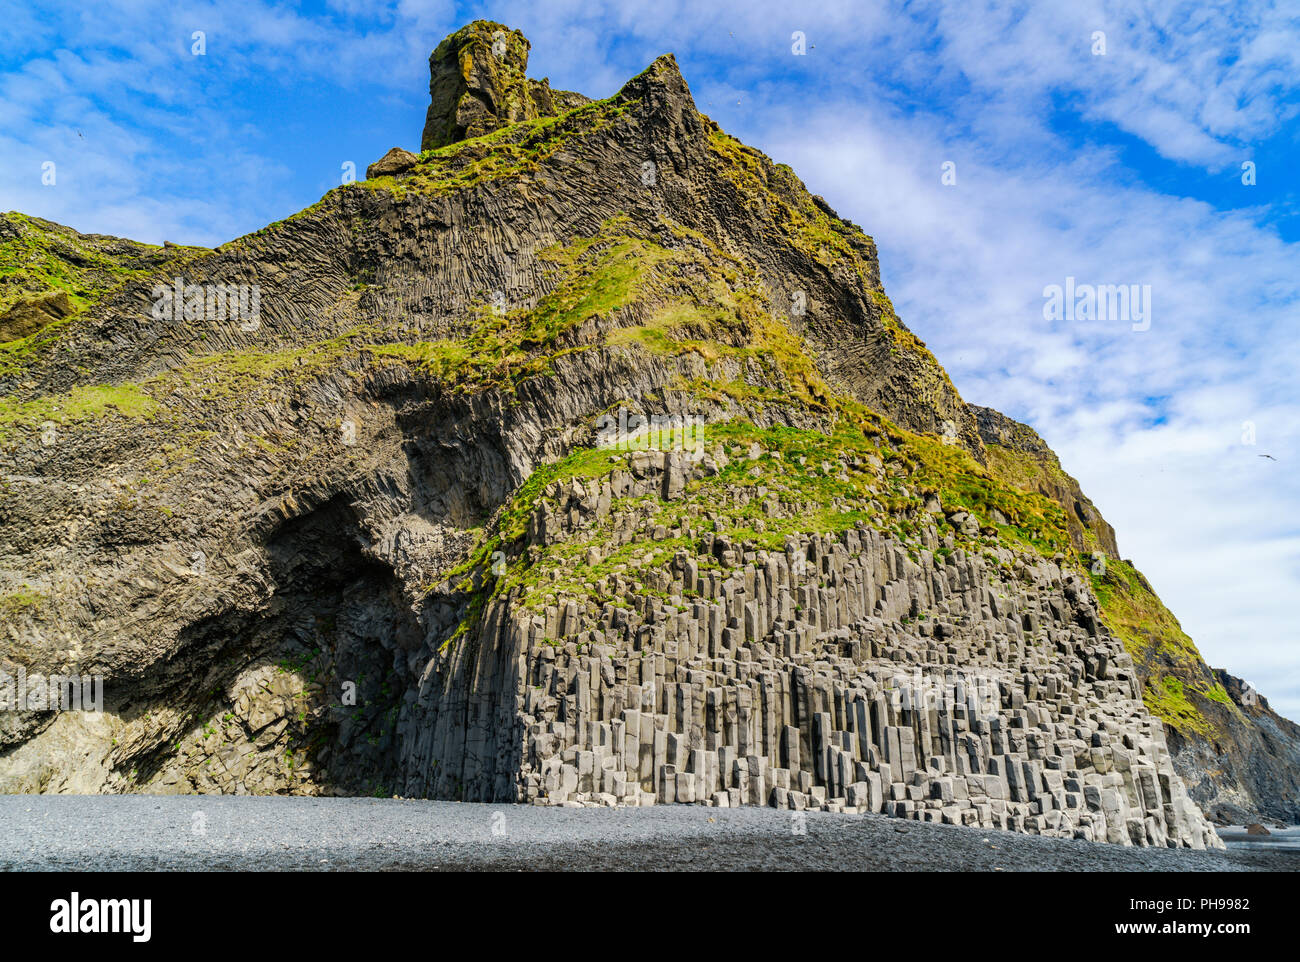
[141, 832]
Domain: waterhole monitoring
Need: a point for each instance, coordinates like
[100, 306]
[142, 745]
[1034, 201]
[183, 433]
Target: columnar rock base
[838, 674]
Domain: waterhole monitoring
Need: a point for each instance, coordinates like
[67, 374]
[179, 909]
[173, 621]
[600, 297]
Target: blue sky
[1118, 168]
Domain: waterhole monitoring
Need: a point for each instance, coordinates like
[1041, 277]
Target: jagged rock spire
[478, 82]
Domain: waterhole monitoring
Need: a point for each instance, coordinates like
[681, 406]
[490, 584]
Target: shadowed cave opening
[327, 660]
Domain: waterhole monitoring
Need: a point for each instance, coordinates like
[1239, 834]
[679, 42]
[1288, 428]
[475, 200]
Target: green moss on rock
[81, 404]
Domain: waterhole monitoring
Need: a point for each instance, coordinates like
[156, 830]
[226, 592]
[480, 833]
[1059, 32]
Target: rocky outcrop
[30, 314]
[49, 271]
[478, 83]
[1244, 763]
[391, 531]
[395, 161]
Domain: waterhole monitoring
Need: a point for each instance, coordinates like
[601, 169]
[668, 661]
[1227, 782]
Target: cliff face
[1017, 454]
[581, 460]
[1239, 758]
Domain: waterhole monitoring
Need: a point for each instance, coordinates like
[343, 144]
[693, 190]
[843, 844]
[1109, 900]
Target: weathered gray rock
[395, 161]
[478, 83]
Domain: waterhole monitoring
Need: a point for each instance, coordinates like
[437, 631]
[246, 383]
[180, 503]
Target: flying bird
[1269, 456]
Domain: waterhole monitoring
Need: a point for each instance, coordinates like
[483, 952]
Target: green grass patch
[41, 257]
[81, 404]
[1138, 617]
[24, 599]
[596, 276]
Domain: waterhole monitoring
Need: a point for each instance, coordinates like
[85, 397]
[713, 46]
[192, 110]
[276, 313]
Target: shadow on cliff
[303, 694]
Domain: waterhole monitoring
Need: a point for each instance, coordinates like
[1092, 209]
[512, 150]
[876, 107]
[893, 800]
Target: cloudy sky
[1100, 141]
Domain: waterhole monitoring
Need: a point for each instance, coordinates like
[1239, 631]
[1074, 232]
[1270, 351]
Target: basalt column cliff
[579, 458]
